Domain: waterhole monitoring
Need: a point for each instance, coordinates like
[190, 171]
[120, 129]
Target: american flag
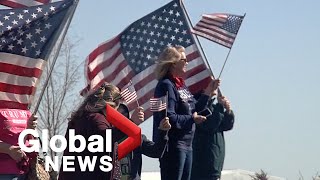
[219, 28]
[129, 94]
[116, 170]
[23, 3]
[27, 36]
[158, 104]
[132, 54]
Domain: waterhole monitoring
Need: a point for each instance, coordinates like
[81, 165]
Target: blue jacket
[180, 107]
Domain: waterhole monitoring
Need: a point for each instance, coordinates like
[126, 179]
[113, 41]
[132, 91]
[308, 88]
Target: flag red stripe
[216, 21]
[43, 1]
[106, 63]
[193, 55]
[14, 105]
[203, 83]
[20, 71]
[12, 4]
[209, 27]
[22, 3]
[103, 48]
[204, 35]
[15, 89]
[116, 71]
[126, 79]
[212, 35]
[142, 100]
[144, 81]
[195, 70]
[123, 82]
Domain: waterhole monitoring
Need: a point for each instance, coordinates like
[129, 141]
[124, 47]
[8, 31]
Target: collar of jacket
[178, 81]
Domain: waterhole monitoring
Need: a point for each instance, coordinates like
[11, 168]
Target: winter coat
[209, 143]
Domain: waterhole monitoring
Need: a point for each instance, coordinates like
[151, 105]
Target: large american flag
[27, 36]
[219, 28]
[23, 3]
[132, 54]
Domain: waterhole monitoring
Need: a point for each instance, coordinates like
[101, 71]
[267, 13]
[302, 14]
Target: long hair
[167, 59]
[97, 101]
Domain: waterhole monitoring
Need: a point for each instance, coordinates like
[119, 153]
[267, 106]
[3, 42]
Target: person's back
[89, 124]
[91, 119]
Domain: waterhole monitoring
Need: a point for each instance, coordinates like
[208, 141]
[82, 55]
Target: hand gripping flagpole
[65, 28]
[229, 51]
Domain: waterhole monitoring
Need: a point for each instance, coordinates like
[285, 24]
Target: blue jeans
[176, 164]
[12, 177]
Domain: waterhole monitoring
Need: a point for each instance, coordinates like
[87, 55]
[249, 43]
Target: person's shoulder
[144, 137]
[96, 116]
[165, 82]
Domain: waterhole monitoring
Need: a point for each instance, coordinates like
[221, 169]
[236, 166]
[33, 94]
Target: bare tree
[61, 94]
[316, 177]
[260, 176]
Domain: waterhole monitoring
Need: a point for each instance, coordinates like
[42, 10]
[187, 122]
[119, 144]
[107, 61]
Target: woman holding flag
[182, 111]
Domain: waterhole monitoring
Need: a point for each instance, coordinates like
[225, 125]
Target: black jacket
[148, 148]
[209, 144]
[131, 164]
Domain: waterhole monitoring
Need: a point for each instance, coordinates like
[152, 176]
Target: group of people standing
[189, 143]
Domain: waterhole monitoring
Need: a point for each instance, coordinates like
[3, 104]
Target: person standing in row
[91, 119]
[208, 143]
[182, 111]
[132, 163]
[14, 162]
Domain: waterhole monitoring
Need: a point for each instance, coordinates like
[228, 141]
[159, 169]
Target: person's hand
[32, 122]
[225, 103]
[16, 153]
[198, 118]
[212, 87]
[164, 124]
[138, 116]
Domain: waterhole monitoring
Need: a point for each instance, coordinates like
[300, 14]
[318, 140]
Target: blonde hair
[167, 59]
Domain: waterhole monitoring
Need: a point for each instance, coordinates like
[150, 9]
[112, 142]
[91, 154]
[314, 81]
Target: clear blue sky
[271, 77]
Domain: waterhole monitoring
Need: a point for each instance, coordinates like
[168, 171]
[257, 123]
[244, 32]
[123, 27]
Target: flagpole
[229, 52]
[202, 51]
[196, 37]
[72, 11]
[131, 84]
[225, 61]
[166, 104]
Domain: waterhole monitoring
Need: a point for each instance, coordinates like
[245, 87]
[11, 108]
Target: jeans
[176, 164]
[12, 177]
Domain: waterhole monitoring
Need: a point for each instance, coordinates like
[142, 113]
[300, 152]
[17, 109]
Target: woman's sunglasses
[184, 59]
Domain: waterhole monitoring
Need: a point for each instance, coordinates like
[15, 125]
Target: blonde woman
[182, 111]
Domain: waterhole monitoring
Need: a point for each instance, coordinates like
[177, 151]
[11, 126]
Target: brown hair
[97, 101]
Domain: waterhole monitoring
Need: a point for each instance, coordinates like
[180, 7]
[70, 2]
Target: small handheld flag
[129, 94]
[158, 104]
